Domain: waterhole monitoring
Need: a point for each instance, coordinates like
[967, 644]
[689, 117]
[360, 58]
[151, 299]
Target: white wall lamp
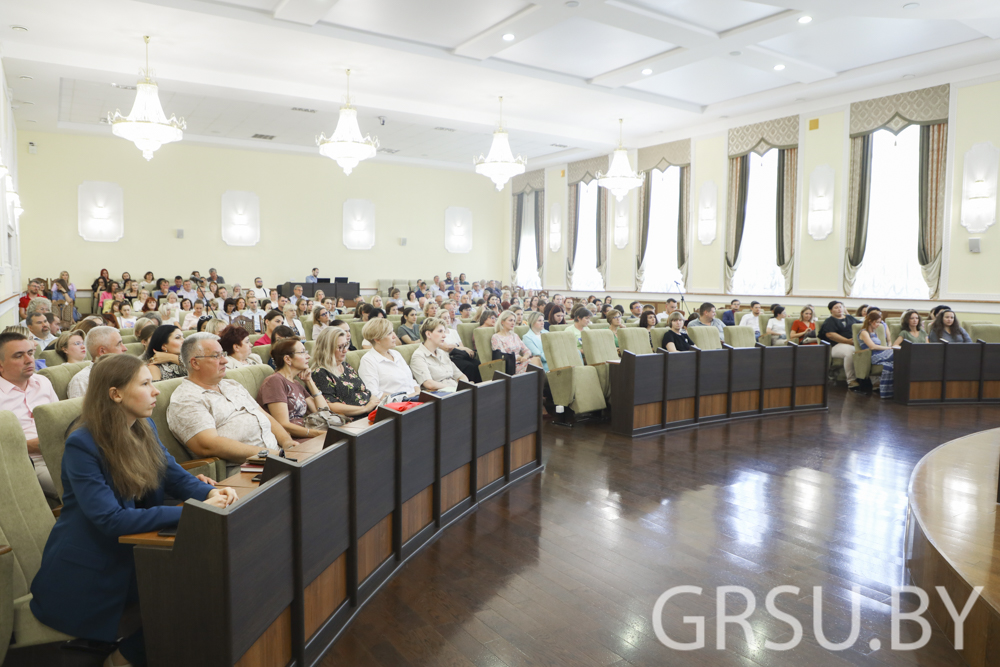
[621, 224]
[979, 187]
[821, 192]
[240, 218]
[457, 229]
[555, 227]
[359, 224]
[707, 212]
[100, 211]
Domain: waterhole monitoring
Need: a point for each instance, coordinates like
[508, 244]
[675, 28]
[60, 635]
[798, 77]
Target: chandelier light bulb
[346, 146]
[620, 178]
[146, 125]
[500, 165]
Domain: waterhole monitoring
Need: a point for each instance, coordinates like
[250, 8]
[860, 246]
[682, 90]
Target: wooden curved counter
[953, 538]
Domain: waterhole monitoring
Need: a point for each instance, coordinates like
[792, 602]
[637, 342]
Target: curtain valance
[674, 153]
[927, 106]
[531, 181]
[761, 137]
[585, 170]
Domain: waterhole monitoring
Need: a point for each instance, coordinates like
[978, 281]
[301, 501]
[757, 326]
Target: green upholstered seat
[739, 336]
[25, 524]
[53, 422]
[60, 376]
[482, 337]
[557, 327]
[250, 377]
[573, 385]
[636, 340]
[406, 351]
[465, 330]
[599, 349]
[985, 332]
[255, 337]
[135, 349]
[600, 325]
[354, 358]
[657, 335]
[520, 330]
[51, 358]
[307, 326]
[705, 338]
[356, 337]
[263, 351]
[863, 367]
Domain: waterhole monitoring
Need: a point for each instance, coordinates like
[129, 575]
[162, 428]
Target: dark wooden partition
[712, 398]
[989, 377]
[961, 373]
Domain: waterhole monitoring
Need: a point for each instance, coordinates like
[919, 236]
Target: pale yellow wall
[556, 194]
[710, 164]
[975, 122]
[301, 204]
[819, 262]
[621, 263]
[9, 278]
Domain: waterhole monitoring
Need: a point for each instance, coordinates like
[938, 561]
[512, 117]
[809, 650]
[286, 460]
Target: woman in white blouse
[292, 320]
[383, 369]
[191, 321]
[776, 325]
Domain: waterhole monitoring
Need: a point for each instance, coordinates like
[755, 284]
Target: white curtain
[891, 268]
[527, 270]
[757, 271]
[585, 273]
[661, 273]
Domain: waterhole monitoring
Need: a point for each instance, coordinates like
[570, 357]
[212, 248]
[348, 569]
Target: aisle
[566, 568]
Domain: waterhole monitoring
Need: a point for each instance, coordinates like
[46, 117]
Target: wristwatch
[262, 454]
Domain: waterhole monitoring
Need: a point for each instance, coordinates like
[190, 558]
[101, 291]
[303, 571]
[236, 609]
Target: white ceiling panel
[846, 43]
[711, 81]
[716, 15]
[583, 48]
[445, 23]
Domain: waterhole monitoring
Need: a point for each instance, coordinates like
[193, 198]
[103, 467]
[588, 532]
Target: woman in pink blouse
[508, 342]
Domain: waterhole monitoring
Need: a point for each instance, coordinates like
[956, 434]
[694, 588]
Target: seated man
[838, 330]
[21, 391]
[100, 341]
[635, 310]
[296, 294]
[706, 318]
[38, 324]
[313, 277]
[214, 416]
[34, 291]
[752, 319]
[668, 310]
[38, 304]
[729, 317]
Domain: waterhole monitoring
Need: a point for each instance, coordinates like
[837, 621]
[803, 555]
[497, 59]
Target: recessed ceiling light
[19, 28]
[26, 77]
[647, 72]
[911, 5]
[805, 19]
[572, 4]
[779, 67]
[735, 53]
[509, 37]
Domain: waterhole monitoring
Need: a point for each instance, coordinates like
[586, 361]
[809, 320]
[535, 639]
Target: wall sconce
[979, 187]
[555, 227]
[707, 212]
[100, 211]
[457, 229]
[15, 200]
[240, 218]
[821, 192]
[359, 224]
[621, 224]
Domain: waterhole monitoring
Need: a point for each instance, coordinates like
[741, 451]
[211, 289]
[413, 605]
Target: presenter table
[277, 576]
[346, 291]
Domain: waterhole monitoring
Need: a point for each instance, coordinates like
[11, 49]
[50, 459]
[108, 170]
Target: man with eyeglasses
[213, 416]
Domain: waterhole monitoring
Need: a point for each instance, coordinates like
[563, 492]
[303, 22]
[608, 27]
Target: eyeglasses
[220, 355]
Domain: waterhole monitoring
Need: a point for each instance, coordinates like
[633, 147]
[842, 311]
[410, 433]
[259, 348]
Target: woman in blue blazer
[115, 473]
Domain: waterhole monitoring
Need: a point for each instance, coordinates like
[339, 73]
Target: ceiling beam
[794, 70]
[644, 21]
[523, 24]
[306, 12]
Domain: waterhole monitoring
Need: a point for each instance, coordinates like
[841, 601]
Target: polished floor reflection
[565, 568]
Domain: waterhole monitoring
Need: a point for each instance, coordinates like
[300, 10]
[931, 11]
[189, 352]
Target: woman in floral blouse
[506, 341]
[340, 384]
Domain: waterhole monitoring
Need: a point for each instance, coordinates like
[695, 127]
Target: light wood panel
[680, 409]
[489, 467]
[417, 512]
[647, 415]
[959, 389]
[455, 487]
[777, 398]
[522, 451]
[808, 395]
[274, 647]
[925, 391]
[326, 592]
[991, 389]
[746, 401]
[374, 547]
[709, 406]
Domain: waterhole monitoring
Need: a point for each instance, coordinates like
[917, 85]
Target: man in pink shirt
[21, 391]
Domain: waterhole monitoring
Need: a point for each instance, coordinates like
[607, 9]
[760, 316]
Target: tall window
[586, 277]
[757, 270]
[661, 272]
[890, 268]
[527, 268]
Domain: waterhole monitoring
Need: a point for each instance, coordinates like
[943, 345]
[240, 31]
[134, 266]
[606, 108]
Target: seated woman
[376, 301]
[647, 320]
[911, 329]
[303, 307]
[341, 306]
[342, 388]
[70, 346]
[162, 289]
[804, 328]
[393, 309]
[506, 341]
[532, 338]
[431, 365]
[229, 312]
[383, 369]
[407, 329]
[113, 459]
[676, 339]
[411, 300]
[191, 319]
[145, 334]
[776, 325]
[430, 309]
[556, 316]
[881, 353]
[272, 321]
[289, 394]
[947, 328]
[488, 319]
[235, 342]
[130, 289]
[614, 320]
[394, 297]
[320, 319]
[163, 353]
[279, 334]
[460, 355]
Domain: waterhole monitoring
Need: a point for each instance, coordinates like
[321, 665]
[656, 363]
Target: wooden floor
[564, 569]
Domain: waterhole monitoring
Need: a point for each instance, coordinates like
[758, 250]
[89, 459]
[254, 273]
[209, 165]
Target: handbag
[323, 419]
[510, 361]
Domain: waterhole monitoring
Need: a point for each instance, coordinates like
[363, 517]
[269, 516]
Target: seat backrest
[522, 329]
[190, 332]
[26, 519]
[557, 327]
[739, 336]
[987, 332]
[560, 350]
[126, 332]
[600, 325]
[354, 358]
[264, 351]
[51, 358]
[53, 421]
[484, 348]
[356, 327]
[307, 326]
[465, 330]
[598, 346]
[763, 319]
[129, 339]
[135, 349]
[309, 345]
[383, 286]
[60, 376]
[855, 332]
[895, 328]
[395, 319]
[657, 335]
[406, 351]
[706, 338]
[250, 377]
[175, 447]
[635, 340]
[254, 337]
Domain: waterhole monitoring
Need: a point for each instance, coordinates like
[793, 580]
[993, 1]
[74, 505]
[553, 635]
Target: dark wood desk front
[346, 291]
[940, 373]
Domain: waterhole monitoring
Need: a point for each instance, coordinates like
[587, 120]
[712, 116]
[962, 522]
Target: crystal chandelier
[500, 165]
[147, 126]
[620, 177]
[346, 145]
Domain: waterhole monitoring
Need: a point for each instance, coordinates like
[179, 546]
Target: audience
[675, 339]
[235, 342]
[71, 347]
[100, 341]
[804, 328]
[383, 369]
[163, 353]
[272, 321]
[868, 339]
[729, 316]
[407, 329]
[506, 342]
[533, 337]
[911, 329]
[776, 325]
[947, 328]
[289, 394]
[432, 366]
[706, 318]
[752, 319]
